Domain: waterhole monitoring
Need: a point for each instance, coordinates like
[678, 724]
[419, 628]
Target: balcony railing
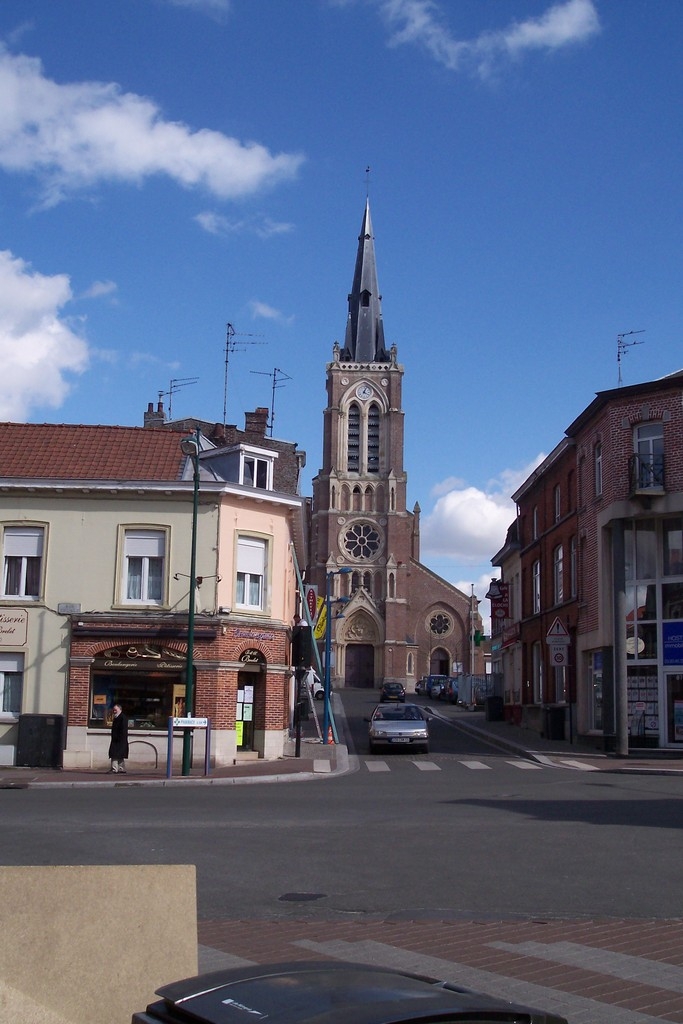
[646, 474]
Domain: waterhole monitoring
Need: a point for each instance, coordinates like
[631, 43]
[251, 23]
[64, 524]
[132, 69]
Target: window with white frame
[11, 683]
[251, 573]
[144, 558]
[23, 561]
[536, 587]
[558, 581]
[597, 465]
[257, 471]
[648, 444]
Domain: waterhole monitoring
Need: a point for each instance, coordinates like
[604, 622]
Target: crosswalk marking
[377, 766]
[476, 765]
[427, 766]
[581, 765]
[526, 765]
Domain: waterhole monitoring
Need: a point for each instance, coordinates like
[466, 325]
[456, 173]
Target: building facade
[393, 618]
[97, 526]
[613, 551]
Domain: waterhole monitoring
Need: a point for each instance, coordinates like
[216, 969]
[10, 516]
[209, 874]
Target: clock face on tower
[364, 391]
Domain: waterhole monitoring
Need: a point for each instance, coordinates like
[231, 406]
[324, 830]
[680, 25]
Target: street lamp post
[328, 646]
[190, 447]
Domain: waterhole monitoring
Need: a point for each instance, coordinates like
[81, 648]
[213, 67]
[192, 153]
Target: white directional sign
[190, 723]
[557, 634]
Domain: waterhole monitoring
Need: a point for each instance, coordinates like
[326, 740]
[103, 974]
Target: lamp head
[189, 446]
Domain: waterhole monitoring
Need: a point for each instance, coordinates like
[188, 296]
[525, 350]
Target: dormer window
[256, 467]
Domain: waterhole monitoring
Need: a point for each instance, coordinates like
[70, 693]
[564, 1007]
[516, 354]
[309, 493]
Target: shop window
[148, 699]
[22, 561]
[641, 622]
[673, 546]
[251, 571]
[11, 683]
[144, 558]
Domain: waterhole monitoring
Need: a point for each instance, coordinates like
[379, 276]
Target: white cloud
[467, 524]
[266, 312]
[38, 348]
[419, 22]
[81, 135]
[215, 8]
[218, 224]
[100, 290]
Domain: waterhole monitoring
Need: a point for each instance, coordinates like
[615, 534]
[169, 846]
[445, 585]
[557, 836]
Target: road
[460, 836]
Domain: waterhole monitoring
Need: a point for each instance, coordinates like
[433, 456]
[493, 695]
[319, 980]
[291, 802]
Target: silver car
[398, 725]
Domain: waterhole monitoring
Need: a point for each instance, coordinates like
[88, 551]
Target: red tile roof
[48, 451]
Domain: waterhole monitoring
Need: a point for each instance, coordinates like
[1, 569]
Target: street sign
[558, 655]
[190, 723]
[557, 634]
[312, 601]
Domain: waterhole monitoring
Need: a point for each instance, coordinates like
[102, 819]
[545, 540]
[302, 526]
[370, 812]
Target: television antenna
[621, 349]
[276, 376]
[234, 346]
[174, 386]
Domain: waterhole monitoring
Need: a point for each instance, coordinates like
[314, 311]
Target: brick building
[618, 537]
[400, 619]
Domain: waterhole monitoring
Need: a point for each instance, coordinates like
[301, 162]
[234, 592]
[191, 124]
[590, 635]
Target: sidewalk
[578, 753]
[320, 760]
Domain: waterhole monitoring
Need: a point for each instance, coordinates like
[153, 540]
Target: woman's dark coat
[118, 748]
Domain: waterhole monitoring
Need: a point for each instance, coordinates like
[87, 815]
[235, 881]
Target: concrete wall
[90, 945]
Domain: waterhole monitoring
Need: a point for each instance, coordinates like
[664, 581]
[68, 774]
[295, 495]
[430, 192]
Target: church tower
[360, 523]
[392, 618]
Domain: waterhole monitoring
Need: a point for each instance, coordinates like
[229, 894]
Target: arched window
[353, 439]
[368, 503]
[355, 582]
[373, 438]
[357, 499]
[367, 581]
[392, 585]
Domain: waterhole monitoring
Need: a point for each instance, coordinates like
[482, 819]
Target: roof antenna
[276, 384]
[175, 385]
[234, 346]
[621, 349]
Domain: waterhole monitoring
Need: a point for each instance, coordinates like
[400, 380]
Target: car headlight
[375, 733]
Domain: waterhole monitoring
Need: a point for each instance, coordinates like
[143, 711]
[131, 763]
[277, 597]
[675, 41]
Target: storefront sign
[254, 634]
[133, 658]
[672, 642]
[251, 657]
[13, 627]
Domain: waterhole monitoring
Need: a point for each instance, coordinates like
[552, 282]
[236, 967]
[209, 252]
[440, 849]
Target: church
[392, 618]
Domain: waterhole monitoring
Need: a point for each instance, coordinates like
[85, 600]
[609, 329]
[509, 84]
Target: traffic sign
[557, 634]
[558, 655]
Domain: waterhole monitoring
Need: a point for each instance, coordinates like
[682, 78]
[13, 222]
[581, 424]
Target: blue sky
[171, 166]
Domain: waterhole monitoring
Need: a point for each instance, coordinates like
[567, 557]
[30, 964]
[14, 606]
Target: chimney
[256, 422]
[152, 418]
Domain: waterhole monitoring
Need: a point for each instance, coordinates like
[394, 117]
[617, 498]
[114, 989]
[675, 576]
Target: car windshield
[408, 713]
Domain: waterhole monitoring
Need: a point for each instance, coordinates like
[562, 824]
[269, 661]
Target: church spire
[364, 341]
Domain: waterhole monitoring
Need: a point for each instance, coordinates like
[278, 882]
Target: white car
[317, 689]
[398, 725]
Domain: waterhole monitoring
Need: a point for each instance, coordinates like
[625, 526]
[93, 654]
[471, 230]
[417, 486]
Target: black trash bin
[554, 723]
[40, 743]
[494, 709]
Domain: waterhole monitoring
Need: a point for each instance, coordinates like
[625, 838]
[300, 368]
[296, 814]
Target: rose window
[440, 624]
[362, 541]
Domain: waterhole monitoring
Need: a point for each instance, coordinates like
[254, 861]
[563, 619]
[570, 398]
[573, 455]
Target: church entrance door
[360, 665]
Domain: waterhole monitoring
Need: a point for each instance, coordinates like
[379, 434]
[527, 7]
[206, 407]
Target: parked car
[431, 683]
[421, 685]
[392, 691]
[404, 727]
[327, 993]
